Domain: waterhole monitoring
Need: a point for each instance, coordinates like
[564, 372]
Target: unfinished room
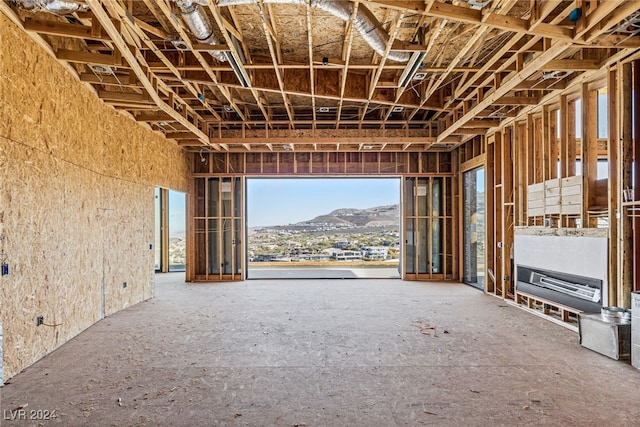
[147, 145]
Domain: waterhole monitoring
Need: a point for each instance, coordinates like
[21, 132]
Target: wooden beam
[164, 7]
[346, 58]
[310, 139]
[469, 131]
[541, 85]
[110, 80]
[626, 262]
[88, 58]
[564, 135]
[520, 193]
[312, 80]
[491, 208]
[529, 155]
[143, 77]
[380, 101]
[435, 85]
[545, 137]
[131, 98]
[482, 124]
[571, 140]
[154, 117]
[496, 20]
[62, 29]
[179, 135]
[635, 183]
[530, 68]
[553, 144]
[517, 100]
[614, 199]
[538, 163]
[589, 154]
[507, 214]
[572, 65]
[600, 21]
[225, 33]
[275, 53]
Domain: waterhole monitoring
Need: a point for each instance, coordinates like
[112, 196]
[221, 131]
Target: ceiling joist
[282, 66]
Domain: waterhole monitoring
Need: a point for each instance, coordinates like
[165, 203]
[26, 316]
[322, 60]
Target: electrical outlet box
[419, 76]
[39, 320]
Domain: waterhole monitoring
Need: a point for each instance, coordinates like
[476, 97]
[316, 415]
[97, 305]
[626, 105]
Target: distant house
[313, 257]
[270, 258]
[342, 244]
[341, 255]
[375, 252]
[262, 258]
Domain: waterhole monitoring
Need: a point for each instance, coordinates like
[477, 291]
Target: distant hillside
[379, 216]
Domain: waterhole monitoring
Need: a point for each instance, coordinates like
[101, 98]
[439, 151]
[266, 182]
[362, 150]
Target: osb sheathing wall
[76, 202]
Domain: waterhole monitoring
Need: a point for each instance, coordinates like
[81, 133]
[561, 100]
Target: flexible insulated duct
[199, 23]
[365, 22]
[57, 7]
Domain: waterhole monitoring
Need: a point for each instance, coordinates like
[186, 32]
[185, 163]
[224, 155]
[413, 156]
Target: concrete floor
[325, 353]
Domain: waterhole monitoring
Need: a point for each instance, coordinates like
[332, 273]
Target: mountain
[379, 216]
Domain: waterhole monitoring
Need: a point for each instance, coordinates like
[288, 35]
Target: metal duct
[57, 7]
[199, 23]
[478, 4]
[365, 22]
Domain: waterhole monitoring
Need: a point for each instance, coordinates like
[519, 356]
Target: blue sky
[280, 201]
[177, 212]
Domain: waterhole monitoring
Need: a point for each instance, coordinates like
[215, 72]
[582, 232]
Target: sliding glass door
[170, 230]
[474, 228]
[423, 224]
[218, 228]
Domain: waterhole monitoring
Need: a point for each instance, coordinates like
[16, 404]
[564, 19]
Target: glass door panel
[436, 245]
[200, 241]
[177, 230]
[158, 229]
[422, 197]
[213, 260]
[473, 228]
[226, 191]
[213, 195]
[409, 249]
[423, 227]
[422, 234]
[227, 244]
[238, 248]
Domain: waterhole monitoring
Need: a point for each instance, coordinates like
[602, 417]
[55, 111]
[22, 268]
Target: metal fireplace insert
[579, 292]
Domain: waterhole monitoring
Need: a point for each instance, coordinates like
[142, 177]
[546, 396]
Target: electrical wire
[51, 326]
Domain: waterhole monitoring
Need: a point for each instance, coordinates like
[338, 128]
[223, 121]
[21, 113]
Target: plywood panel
[76, 202]
[571, 190]
[555, 197]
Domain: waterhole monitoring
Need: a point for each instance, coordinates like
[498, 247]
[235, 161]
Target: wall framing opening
[169, 230]
[323, 227]
[438, 243]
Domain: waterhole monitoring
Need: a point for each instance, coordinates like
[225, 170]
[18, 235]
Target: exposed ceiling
[306, 75]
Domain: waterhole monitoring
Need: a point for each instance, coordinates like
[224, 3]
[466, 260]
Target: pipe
[198, 22]
[365, 22]
[57, 7]
[478, 4]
